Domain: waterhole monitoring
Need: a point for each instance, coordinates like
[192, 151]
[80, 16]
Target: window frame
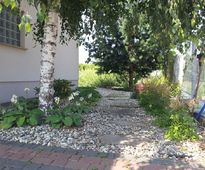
[21, 37]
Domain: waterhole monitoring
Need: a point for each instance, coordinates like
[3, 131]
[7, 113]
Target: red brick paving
[76, 162]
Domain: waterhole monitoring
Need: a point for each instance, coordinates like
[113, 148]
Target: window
[9, 32]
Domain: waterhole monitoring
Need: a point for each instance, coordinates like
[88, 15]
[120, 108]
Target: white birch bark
[47, 61]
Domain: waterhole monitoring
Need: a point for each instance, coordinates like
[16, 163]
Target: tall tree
[110, 52]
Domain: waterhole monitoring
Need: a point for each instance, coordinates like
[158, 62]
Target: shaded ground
[16, 156]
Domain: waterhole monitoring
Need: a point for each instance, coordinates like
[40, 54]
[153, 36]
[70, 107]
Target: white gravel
[116, 125]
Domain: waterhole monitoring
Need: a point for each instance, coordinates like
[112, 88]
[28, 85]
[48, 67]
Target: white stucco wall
[20, 67]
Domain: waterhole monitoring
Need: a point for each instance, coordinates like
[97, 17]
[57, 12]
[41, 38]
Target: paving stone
[71, 151]
[14, 163]
[113, 155]
[88, 153]
[119, 139]
[32, 166]
[45, 167]
[58, 149]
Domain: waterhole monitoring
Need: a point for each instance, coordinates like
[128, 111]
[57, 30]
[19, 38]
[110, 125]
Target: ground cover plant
[66, 112]
[160, 99]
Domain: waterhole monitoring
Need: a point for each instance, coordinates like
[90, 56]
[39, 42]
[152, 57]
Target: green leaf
[1, 8]
[193, 22]
[20, 26]
[20, 121]
[13, 113]
[36, 112]
[28, 27]
[10, 119]
[76, 120]
[54, 119]
[56, 125]
[13, 4]
[68, 121]
[33, 121]
[7, 2]
[5, 125]
[20, 107]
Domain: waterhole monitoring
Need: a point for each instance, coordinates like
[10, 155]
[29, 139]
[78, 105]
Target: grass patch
[88, 77]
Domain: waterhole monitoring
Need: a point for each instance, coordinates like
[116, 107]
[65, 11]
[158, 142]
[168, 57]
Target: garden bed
[128, 132]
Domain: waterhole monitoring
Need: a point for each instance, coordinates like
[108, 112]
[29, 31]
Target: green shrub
[157, 94]
[61, 87]
[160, 99]
[163, 120]
[90, 94]
[182, 127]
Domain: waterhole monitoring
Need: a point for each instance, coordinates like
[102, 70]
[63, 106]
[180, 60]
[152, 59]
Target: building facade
[20, 58]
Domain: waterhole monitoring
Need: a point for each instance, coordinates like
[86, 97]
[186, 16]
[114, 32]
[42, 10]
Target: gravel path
[118, 125]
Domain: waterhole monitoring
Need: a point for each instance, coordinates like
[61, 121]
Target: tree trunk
[198, 81]
[47, 61]
[131, 76]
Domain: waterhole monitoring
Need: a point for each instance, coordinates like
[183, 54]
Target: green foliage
[60, 118]
[86, 93]
[70, 115]
[83, 67]
[62, 88]
[124, 49]
[182, 127]
[25, 111]
[90, 78]
[156, 88]
[20, 114]
[173, 116]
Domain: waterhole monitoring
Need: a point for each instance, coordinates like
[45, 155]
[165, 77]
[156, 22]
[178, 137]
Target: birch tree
[50, 14]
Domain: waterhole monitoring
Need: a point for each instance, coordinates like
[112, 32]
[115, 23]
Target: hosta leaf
[5, 125]
[54, 119]
[68, 121]
[33, 121]
[20, 121]
[13, 113]
[36, 112]
[77, 120]
[10, 119]
[56, 125]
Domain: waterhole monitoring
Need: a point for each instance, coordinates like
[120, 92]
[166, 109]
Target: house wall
[20, 67]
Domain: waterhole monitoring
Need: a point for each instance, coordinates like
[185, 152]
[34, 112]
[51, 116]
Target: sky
[83, 55]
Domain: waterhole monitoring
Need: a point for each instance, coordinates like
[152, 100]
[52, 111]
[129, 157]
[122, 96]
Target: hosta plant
[20, 113]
